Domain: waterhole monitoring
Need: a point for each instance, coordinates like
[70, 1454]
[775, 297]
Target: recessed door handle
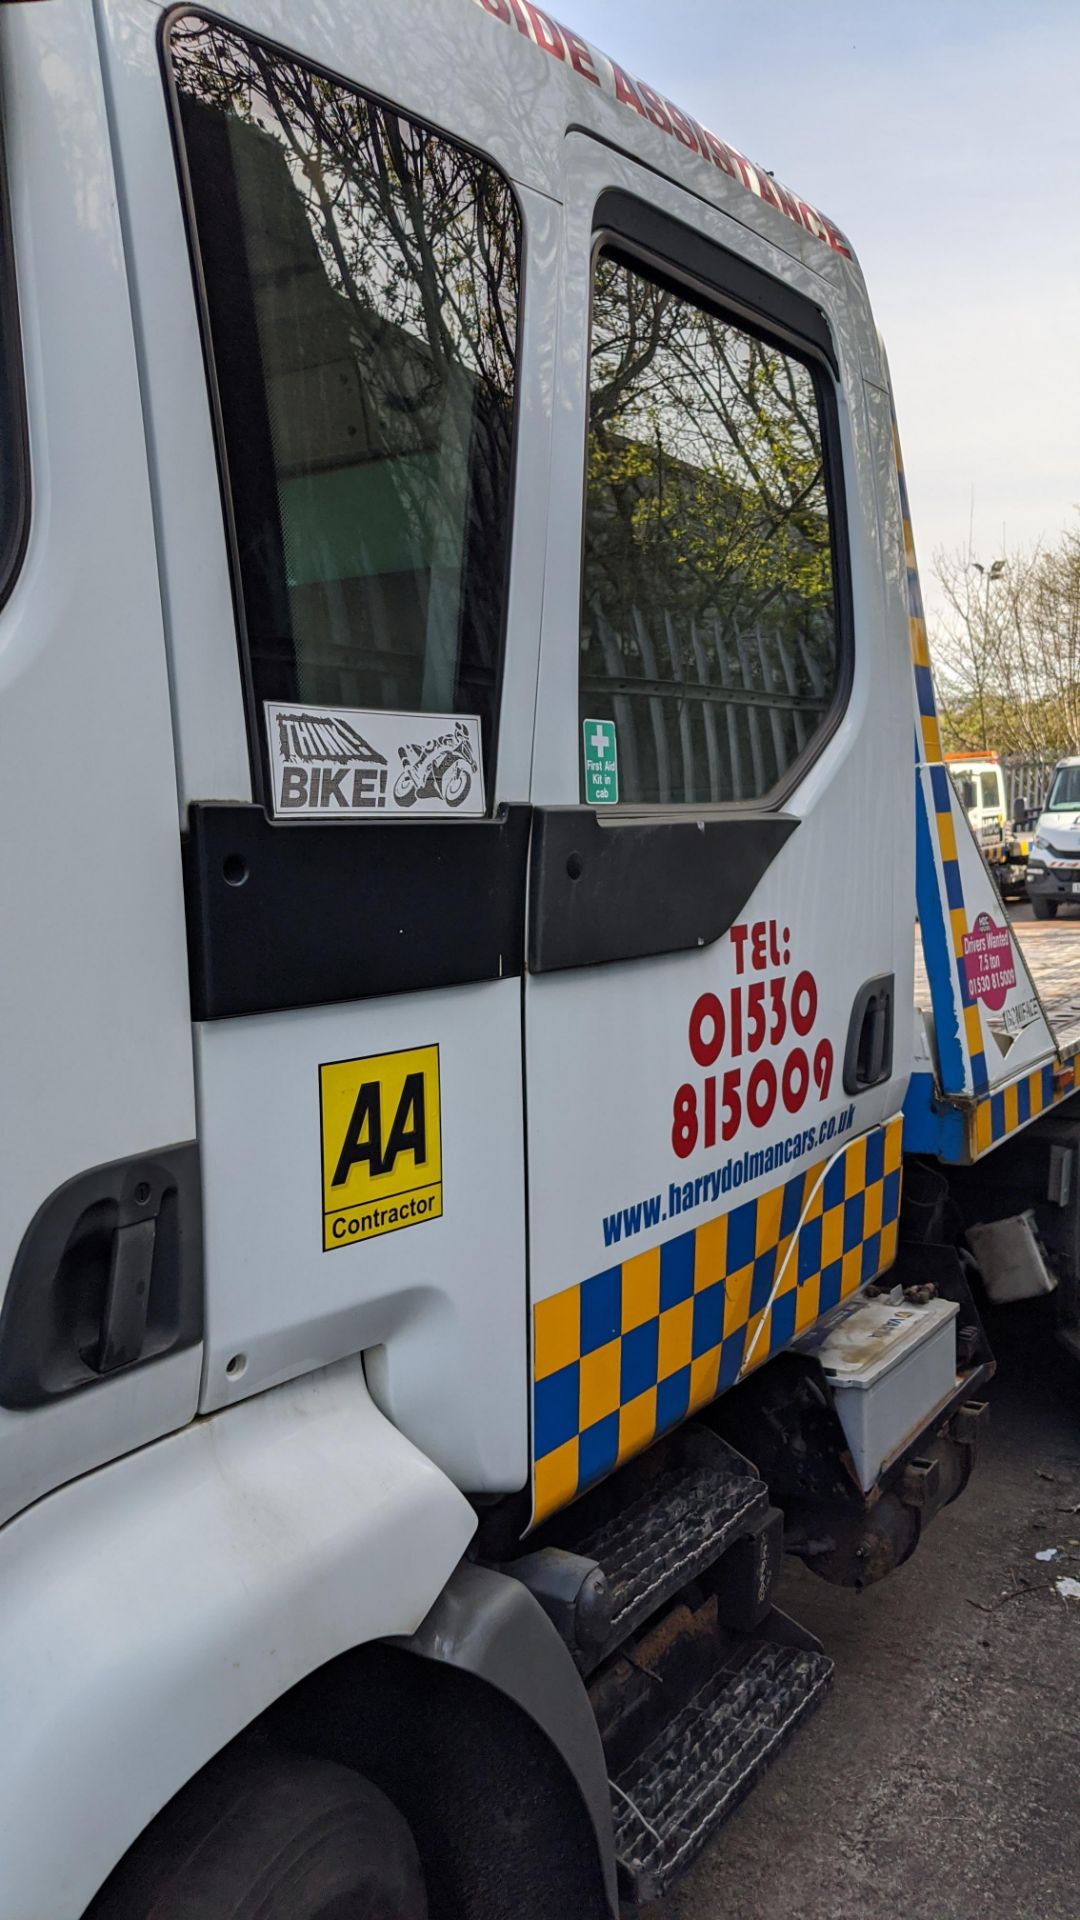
[868, 1054]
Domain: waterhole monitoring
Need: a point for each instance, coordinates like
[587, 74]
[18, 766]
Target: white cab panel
[445, 1297]
[607, 1047]
[442, 1302]
[613, 1173]
[95, 1035]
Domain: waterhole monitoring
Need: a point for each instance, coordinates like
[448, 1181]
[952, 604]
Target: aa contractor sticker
[381, 1144]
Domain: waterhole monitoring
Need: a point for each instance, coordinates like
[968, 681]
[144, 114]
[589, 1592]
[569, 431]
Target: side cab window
[360, 277]
[711, 658]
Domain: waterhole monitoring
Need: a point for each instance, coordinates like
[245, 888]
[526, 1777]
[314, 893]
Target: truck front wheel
[263, 1836]
[1043, 909]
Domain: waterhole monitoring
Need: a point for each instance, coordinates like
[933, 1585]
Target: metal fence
[1027, 780]
[705, 711]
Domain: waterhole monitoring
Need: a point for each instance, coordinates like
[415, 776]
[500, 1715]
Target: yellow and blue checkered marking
[992, 1119]
[956, 911]
[633, 1350]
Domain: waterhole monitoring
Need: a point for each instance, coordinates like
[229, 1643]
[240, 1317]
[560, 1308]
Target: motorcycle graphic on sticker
[441, 769]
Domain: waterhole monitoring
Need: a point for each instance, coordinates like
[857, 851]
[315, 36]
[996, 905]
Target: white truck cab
[1005, 842]
[979, 781]
[457, 595]
[1053, 870]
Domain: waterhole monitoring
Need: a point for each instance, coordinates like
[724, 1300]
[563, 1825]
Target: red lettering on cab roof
[534, 24]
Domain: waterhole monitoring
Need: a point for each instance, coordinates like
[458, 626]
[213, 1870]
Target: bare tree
[1007, 649]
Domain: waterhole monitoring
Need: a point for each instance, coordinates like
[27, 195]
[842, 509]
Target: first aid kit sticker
[381, 1144]
[600, 760]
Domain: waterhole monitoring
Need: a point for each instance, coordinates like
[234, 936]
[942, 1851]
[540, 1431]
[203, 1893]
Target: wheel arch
[479, 1729]
[156, 1608]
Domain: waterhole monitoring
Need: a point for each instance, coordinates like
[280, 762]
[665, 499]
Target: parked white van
[1053, 870]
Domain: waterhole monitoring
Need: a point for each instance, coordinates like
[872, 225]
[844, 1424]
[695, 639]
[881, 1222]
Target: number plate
[1074, 886]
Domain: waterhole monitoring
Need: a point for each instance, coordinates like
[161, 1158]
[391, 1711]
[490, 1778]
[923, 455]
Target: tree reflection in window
[361, 281]
[708, 616]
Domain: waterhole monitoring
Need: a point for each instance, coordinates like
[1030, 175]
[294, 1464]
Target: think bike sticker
[343, 763]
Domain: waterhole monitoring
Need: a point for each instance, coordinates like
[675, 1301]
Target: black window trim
[693, 265]
[13, 548]
[258, 750]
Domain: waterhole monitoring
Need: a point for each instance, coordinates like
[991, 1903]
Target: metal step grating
[684, 1518]
[668, 1801]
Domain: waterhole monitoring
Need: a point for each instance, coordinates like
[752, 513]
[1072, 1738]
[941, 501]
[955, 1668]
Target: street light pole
[990, 575]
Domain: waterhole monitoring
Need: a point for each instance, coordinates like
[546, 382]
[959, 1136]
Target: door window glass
[990, 795]
[1065, 791]
[361, 281]
[709, 628]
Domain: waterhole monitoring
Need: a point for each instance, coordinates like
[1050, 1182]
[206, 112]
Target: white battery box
[889, 1365]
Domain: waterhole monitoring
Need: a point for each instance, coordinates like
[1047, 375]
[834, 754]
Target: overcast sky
[943, 136]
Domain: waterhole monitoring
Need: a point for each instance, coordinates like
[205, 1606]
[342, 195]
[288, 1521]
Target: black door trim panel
[308, 914]
[630, 889]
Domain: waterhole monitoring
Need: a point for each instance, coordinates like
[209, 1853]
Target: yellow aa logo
[381, 1144]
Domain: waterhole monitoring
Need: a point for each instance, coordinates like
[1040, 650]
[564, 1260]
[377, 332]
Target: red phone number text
[751, 1016]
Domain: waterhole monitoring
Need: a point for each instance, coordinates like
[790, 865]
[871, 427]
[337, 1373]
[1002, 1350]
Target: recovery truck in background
[1004, 841]
[454, 1240]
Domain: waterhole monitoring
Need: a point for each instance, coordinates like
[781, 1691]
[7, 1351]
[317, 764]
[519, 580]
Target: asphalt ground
[940, 1780]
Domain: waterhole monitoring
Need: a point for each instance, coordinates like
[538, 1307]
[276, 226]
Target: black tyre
[1044, 909]
[270, 1837]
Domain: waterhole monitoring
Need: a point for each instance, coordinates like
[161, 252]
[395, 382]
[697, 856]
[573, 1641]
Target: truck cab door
[716, 1021]
[353, 649]
[99, 1243]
